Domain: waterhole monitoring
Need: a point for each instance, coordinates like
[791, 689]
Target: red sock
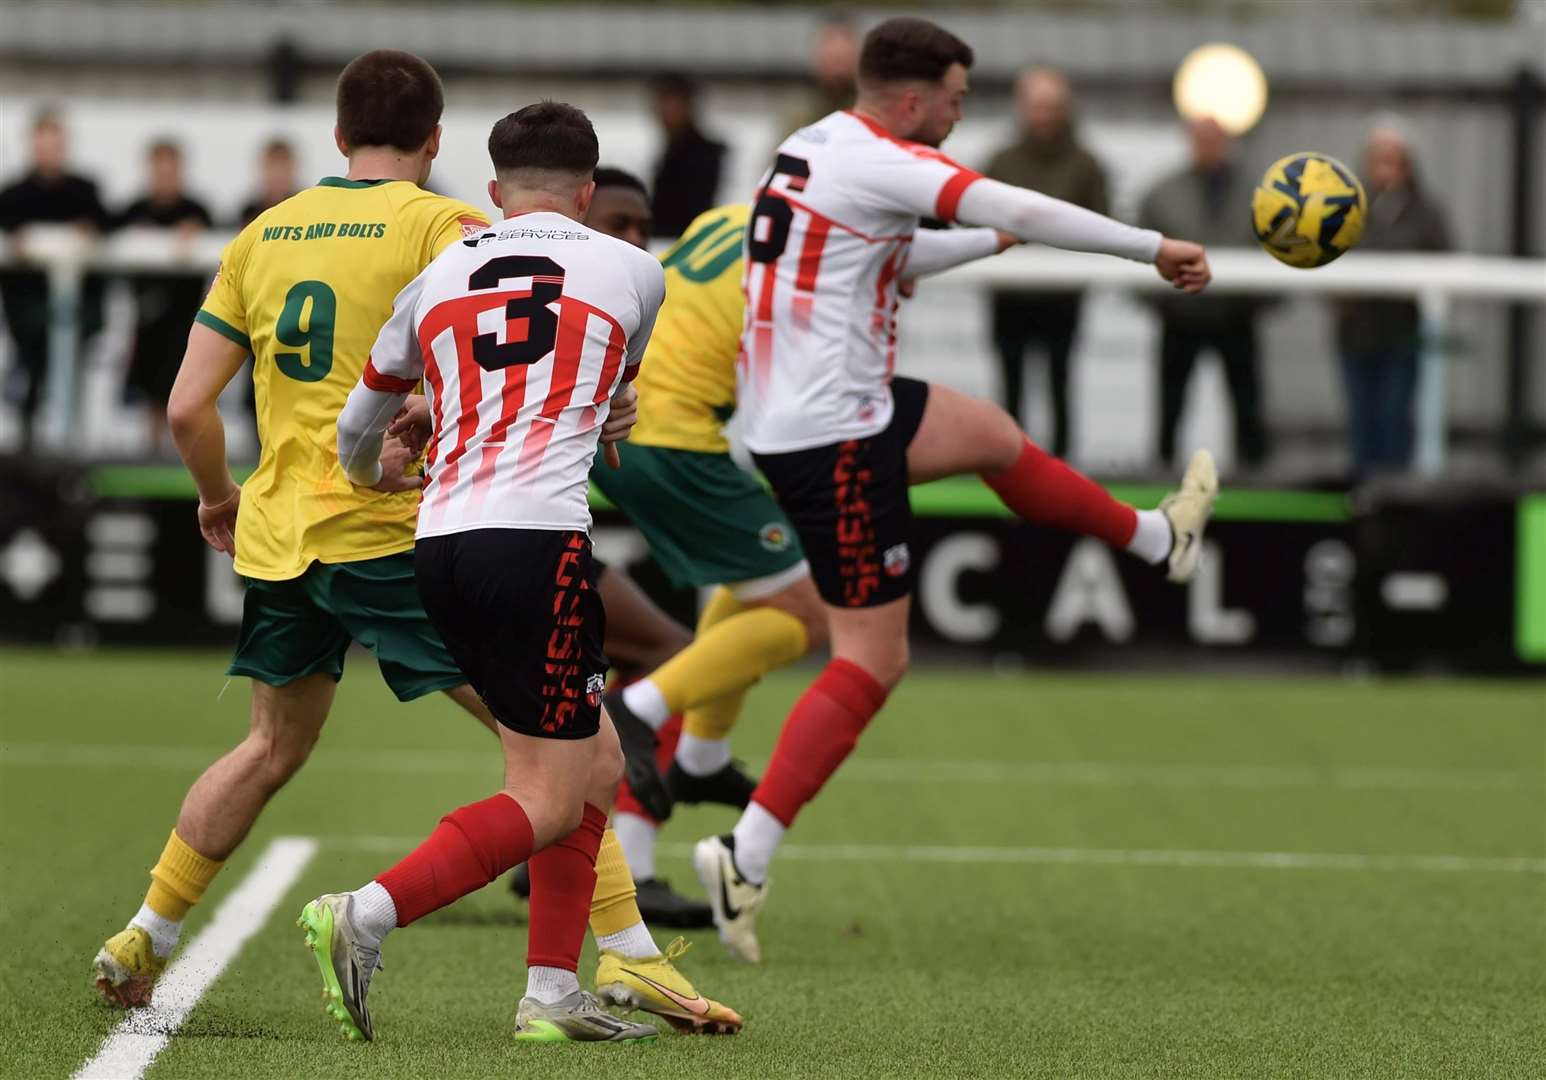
[468, 849]
[1040, 488]
[665, 749]
[821, 731]
[563, 880]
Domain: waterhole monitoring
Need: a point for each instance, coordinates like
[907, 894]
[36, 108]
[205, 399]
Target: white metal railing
[66, 255]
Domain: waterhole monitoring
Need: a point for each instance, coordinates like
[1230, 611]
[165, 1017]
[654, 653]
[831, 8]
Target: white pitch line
[861, 770]
[144, 1033]
[1222, 860]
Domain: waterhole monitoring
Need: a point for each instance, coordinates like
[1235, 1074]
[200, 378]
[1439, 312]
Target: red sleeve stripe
[387, 384]
[950, 195]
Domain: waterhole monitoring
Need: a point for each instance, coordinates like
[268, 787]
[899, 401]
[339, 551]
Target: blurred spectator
[1378, 338]
[834, 62]
[165, 304]
[276, 180]
[1205, 202]
[687, 174]
[45, 194]
[1047, 158]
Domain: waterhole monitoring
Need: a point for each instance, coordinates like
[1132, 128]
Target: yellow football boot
[655, 986]
[126, 969]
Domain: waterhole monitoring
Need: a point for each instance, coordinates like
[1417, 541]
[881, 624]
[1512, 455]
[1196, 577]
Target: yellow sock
[178, 879]
[713, 720]
[613, 908]
[731, 655]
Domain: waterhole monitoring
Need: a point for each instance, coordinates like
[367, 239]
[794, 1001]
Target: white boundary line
[861, 770]
[1221, 860]
[143, 1034]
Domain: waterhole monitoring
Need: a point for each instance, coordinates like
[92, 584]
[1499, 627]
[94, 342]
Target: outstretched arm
[1040, 218]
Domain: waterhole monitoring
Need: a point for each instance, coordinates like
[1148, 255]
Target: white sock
[550, 985]
[645, 701]
[374, 913]
[634, 942]
[637, 836]
[1152, 539]
[757, 836]
[163, 931]
[702, 757]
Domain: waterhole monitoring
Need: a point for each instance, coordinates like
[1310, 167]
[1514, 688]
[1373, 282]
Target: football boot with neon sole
[347, 962]
[577, 1018]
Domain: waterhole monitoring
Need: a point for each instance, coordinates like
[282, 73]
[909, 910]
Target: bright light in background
[1222, 81]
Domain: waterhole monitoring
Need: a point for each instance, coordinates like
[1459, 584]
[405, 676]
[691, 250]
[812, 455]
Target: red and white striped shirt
[523, 334]
[829, 237]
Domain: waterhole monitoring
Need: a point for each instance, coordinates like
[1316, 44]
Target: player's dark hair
[900, 50]
[388, 97]
[610, 176]
[549, 135]
[278, 145]
[164, 145]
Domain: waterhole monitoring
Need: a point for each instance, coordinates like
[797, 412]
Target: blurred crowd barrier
[941, 344]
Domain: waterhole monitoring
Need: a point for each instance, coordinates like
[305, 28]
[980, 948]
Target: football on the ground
[1308, 210]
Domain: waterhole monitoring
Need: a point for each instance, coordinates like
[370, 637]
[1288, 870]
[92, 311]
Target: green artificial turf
[975, 952]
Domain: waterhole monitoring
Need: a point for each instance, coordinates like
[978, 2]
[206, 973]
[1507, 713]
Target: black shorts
[848, 502]
[519, 611]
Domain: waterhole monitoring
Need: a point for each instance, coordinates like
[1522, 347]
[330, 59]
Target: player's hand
[1006, 241]
[1183, 264]
[907, 288]
[217, 521]
[399, 467]
[412, 425]
[620, 421]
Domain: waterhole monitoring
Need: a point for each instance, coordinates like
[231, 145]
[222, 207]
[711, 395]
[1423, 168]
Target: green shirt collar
[345, 182]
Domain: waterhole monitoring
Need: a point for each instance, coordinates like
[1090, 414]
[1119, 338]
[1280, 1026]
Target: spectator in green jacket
[1378, 338]
[1208, 201]
[1049, 158]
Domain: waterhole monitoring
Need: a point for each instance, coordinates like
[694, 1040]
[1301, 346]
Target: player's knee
[886, 663]
[1002, 441]
[272, 760]
[606, 768]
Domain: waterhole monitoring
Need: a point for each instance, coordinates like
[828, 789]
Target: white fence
[1436, 281]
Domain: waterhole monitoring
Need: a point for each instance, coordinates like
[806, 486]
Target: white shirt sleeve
[391, 374]
[652, 293]
[935, 250]
[916, 180]
[1042, 219]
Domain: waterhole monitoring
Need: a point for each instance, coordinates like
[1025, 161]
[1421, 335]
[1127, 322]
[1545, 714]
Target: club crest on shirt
[896, 560]
[773, 536]
[593, 689]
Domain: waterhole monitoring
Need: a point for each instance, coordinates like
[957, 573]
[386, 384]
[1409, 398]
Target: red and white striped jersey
[523, 334]
[828, 239]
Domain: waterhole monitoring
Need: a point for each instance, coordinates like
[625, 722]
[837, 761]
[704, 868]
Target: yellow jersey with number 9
[306, 287]
[686, 384]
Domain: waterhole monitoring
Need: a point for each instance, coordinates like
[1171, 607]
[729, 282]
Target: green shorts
[707, 522]
[295, 628]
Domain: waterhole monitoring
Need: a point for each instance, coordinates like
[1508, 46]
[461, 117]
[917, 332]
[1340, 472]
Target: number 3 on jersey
[768, 231]
[547, 284]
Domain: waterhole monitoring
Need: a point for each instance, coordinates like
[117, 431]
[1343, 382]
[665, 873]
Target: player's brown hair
[388, 97]
[903, 49]
[550, 136]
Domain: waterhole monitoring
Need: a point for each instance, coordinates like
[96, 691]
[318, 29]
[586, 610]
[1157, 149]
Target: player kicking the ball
[528, 336]
[833, 231]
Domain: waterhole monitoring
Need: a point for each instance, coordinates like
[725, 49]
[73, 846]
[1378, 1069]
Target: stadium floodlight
[1224, 82]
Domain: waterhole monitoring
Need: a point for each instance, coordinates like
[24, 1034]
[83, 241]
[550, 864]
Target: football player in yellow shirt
[305, 288]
